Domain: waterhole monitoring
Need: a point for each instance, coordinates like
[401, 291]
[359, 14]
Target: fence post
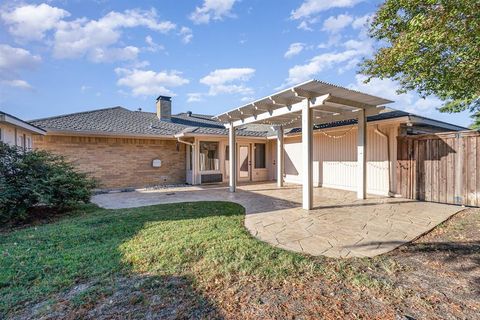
[459, 169]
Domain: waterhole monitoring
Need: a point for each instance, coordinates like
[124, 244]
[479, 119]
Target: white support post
[362, 156]
[280, 164]
[232, 158]
[307, 156]
[195, 164]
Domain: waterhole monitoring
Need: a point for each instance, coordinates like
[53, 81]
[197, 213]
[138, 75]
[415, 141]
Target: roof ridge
[77, 113]
[198, 114]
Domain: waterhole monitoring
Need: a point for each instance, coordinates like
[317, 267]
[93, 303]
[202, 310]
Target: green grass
[202, 240]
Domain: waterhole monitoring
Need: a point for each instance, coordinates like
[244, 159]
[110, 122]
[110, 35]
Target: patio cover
[328, 101]
[309, 103]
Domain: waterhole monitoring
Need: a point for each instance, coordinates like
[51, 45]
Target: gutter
[185, 142]
[103, 134]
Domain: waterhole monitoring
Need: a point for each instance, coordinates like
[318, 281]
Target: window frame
[217, 143]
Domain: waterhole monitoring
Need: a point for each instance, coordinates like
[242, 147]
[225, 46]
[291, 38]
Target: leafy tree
[431, 46]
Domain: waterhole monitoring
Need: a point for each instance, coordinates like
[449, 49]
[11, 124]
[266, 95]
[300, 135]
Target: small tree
[431, 46]
[29, 179]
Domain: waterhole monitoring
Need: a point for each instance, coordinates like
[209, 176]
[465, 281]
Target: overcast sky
[67, 56]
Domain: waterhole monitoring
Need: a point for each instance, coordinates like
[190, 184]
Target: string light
[293, 120]
[297, 118]
[340, 136]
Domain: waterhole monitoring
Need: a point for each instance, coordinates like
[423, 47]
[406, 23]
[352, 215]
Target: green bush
[33, 179]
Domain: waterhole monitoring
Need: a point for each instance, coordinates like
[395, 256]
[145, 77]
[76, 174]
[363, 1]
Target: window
[209, 159]
[260, 156]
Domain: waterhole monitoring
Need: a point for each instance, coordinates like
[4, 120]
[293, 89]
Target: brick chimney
[164, 108]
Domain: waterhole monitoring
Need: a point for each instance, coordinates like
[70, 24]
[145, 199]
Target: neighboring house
[16, 132]
[124, 148]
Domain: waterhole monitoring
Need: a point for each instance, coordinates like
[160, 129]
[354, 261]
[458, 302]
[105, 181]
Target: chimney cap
[189, 113]
[164, 98]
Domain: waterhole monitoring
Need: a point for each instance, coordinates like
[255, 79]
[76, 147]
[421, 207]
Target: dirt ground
[435, 277]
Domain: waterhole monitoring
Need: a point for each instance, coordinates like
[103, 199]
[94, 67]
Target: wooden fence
[440, 167]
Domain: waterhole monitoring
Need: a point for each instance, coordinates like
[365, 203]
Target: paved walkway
[339, 226]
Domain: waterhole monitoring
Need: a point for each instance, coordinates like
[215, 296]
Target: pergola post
[280, 152]
[195, 163]
[362, 155]
[233, 158]
[307, 156]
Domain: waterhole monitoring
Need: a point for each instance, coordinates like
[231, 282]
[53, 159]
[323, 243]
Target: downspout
[192, 145]
[382, 134]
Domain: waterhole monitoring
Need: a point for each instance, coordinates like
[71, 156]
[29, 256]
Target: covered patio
[339, 225]
[305, 105]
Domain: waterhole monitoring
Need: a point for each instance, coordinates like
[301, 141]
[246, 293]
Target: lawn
[200, 240]
[192, 260]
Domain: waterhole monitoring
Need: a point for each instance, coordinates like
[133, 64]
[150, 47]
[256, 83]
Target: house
[16, 132]
[124, 148]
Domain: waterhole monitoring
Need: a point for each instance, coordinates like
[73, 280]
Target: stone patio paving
[340, 225]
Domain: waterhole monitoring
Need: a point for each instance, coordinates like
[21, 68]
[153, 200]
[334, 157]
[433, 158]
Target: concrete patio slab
[339, 226]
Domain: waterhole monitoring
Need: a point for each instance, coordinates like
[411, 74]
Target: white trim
[20, 123]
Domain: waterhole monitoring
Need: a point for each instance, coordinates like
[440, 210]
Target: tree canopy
[431, 46]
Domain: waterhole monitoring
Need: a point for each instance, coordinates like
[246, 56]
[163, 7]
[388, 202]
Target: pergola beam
[285, 110]
[282, 101]
[305, 93]
[347, 115]
[333, 109]
[348, 102]
[263, 111]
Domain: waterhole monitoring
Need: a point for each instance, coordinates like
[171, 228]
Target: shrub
[30, 179]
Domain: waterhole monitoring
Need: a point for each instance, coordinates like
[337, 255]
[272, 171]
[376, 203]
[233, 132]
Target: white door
[244, 162]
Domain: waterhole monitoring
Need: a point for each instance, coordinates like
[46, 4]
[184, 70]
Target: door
[244, 162]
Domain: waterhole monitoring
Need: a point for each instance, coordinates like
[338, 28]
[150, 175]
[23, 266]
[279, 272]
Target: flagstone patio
[340, 225]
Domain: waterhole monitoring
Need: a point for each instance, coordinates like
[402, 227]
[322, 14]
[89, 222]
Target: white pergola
[305, 105]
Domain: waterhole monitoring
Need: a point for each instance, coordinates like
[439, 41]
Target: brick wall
[121, 162]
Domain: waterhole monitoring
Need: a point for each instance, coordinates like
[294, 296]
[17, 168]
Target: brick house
[124, 148]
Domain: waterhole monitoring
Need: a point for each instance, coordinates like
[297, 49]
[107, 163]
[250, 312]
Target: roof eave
[435, 123]
[7, 118]
[53, 132]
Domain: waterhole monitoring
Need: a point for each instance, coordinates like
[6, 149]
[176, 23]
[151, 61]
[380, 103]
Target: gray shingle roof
[118, 120]
[121, 121]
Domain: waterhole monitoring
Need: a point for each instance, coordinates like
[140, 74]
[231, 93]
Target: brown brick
[120, 162]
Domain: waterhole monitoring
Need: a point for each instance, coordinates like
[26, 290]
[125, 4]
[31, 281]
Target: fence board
[440, 167]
